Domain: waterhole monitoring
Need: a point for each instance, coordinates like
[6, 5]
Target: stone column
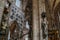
[41, 10]
[35, 20]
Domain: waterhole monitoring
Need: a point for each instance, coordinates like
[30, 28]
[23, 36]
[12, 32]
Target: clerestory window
[18, 3]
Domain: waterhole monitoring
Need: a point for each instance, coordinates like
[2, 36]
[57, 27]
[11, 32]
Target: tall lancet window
[18, 3]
